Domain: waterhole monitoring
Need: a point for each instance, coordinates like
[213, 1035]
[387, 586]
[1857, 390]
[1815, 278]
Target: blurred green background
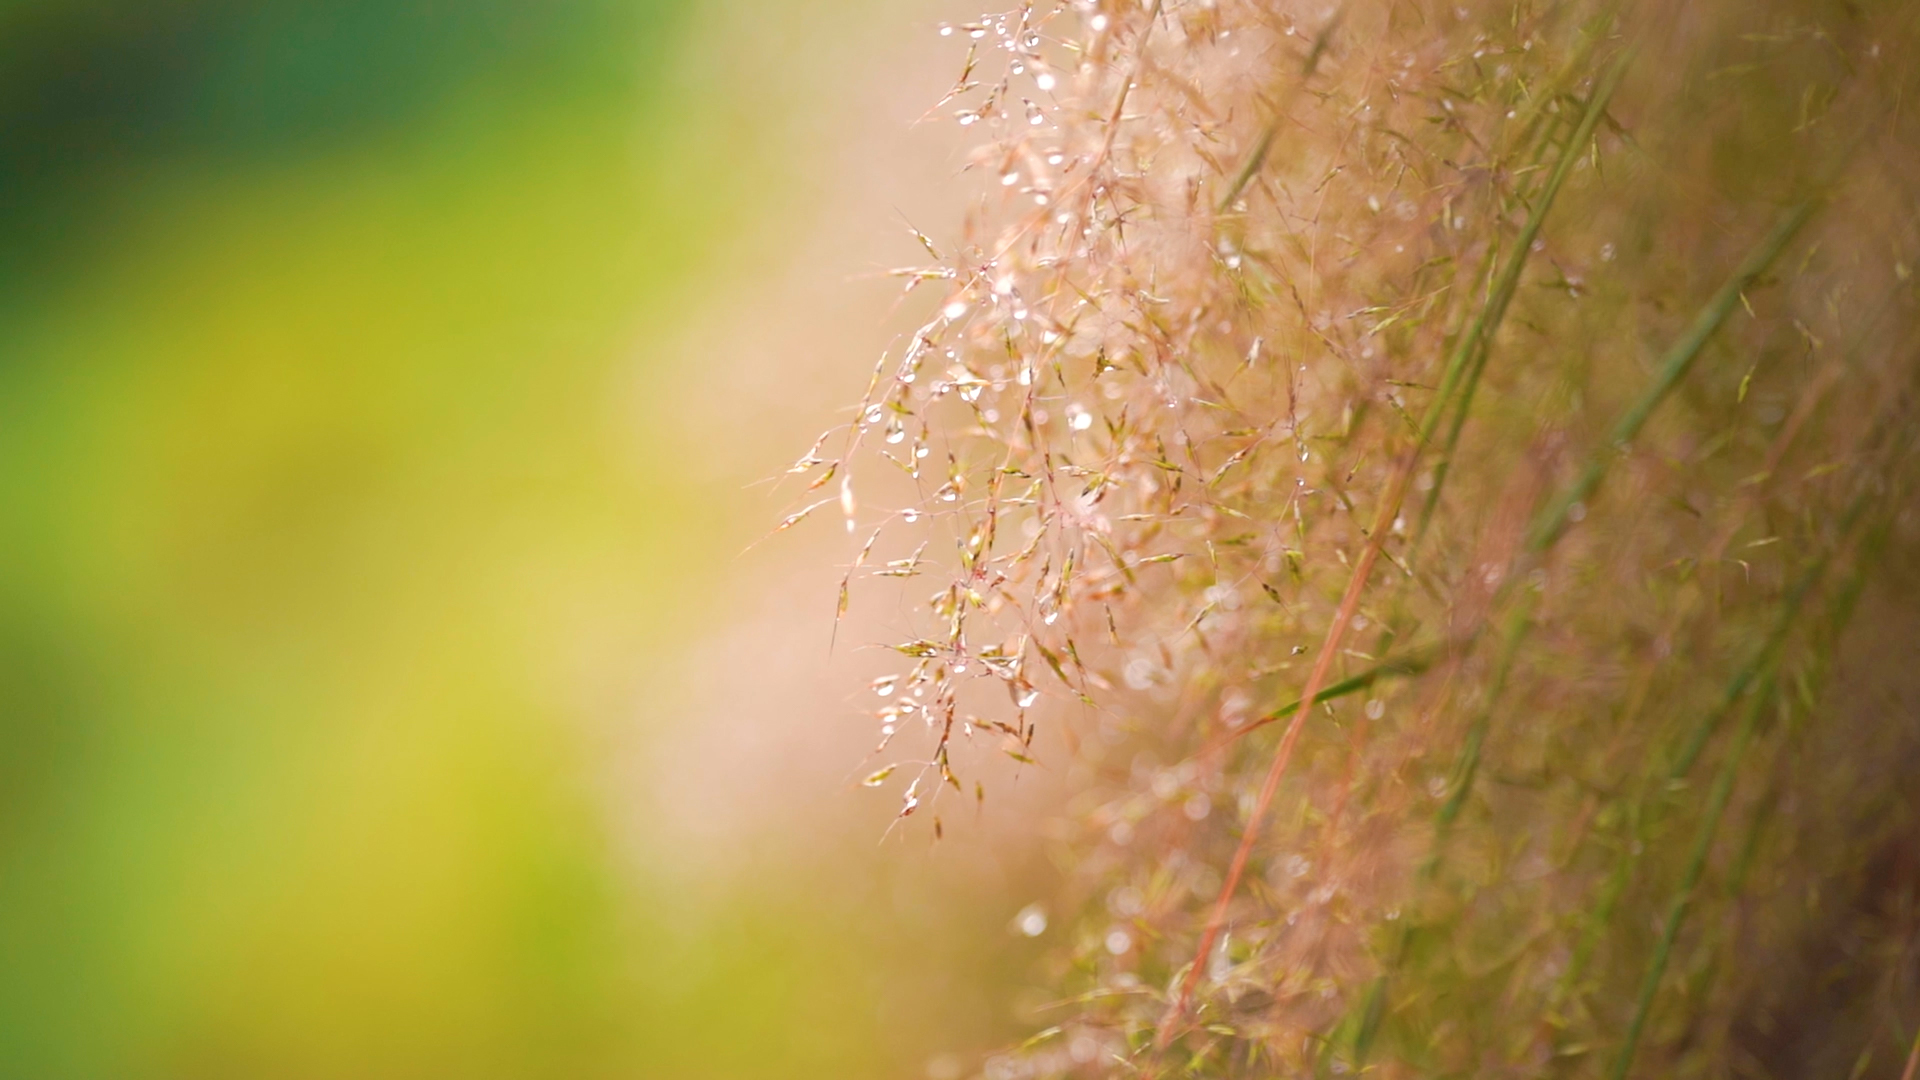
[344, 538]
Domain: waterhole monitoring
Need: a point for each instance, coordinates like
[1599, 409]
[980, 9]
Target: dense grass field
[1528, 388]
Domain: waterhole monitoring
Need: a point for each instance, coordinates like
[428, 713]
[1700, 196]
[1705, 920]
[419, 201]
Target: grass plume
[1248, 288]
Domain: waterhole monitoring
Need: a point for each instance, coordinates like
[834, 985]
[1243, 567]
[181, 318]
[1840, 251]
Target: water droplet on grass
[1031, 921]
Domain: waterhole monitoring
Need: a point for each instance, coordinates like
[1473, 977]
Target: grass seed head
[1527, 385]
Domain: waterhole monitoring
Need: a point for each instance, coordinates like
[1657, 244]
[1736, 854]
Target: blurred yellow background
[371, 496]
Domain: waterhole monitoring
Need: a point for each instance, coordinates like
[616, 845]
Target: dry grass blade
[1323, 663]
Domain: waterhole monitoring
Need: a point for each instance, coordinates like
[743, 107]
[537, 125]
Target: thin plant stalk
[1696, 865]
[1482, 327]
[1548, 528]
[1673, 367]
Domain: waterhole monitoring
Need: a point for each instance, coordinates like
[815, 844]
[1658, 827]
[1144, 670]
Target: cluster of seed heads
[1399, 443]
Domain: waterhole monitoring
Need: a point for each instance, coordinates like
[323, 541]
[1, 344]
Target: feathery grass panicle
[1258, 298]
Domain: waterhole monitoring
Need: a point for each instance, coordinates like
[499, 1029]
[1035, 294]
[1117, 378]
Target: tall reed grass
[1528, 386]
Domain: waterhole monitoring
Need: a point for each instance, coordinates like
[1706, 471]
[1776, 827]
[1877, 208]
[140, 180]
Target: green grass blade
[1672, 368]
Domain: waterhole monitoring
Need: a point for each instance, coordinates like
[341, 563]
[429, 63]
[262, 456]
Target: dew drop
[1032, 920]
